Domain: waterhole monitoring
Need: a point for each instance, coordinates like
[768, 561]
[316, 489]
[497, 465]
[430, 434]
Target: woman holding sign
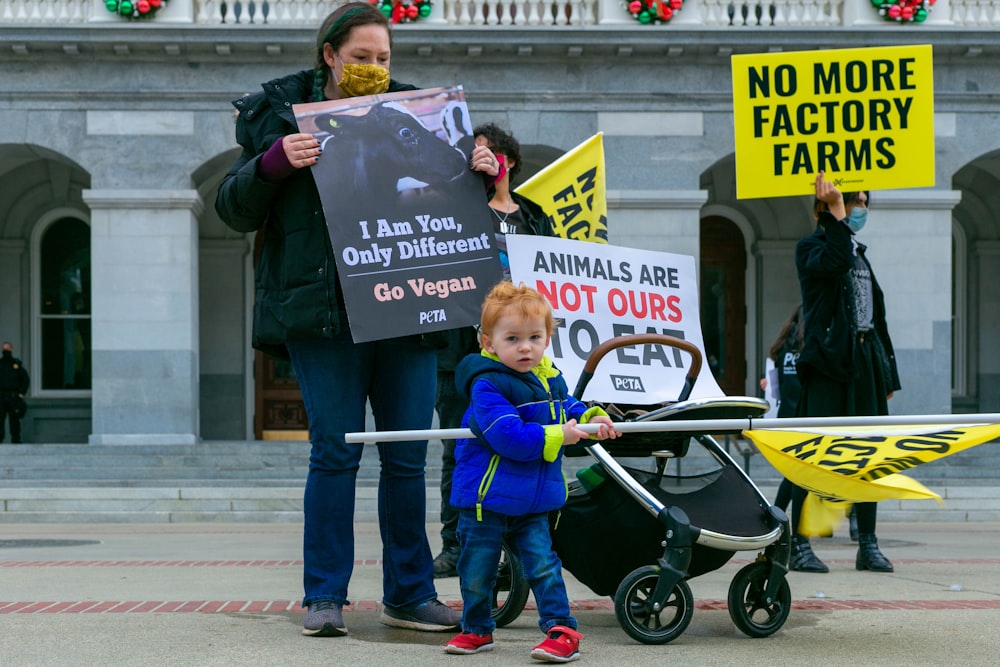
[299, 310]
[847, 366]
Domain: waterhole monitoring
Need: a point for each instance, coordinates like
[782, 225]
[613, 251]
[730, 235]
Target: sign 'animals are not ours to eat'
[863, 116]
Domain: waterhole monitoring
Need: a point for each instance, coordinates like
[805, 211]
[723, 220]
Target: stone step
[277, 504]
[263, 481]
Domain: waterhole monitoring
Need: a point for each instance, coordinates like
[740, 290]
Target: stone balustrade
[494, 14]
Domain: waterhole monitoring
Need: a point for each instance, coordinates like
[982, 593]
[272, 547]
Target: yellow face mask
[363, 79]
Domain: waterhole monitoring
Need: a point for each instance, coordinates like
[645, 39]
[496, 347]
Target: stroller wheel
[510, 593]
[634, 607]
[753, 615]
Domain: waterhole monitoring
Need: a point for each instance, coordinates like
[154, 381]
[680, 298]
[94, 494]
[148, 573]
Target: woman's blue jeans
[528, 536]
[398, 376]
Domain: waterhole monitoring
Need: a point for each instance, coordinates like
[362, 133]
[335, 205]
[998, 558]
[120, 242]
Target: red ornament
[412, 12]
[397, 13]
[663, 10]
[635, 6]
[676, 4]
[142, 6]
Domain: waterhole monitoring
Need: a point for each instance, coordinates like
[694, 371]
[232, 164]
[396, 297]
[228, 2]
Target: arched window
[64, 306]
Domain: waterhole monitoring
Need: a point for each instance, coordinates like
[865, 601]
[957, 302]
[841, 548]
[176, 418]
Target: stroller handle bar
[641, 339]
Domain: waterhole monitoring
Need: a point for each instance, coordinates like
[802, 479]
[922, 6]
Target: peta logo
[628, 383]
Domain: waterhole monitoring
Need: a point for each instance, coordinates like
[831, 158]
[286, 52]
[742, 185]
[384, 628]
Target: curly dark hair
[335, 30]
[503, 142]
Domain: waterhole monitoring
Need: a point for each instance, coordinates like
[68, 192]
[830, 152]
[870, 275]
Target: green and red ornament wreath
[904, 11]
[404, 11]
[651, 12]
[135, 9]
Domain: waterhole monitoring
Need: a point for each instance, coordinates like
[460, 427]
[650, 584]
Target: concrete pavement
[227, 594]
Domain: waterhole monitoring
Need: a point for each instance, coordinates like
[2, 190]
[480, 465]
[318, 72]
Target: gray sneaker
[325, 618]
[430, 616]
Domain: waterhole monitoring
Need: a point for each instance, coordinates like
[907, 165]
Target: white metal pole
[709, 426]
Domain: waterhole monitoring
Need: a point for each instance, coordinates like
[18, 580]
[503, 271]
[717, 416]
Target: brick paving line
[286, 606]
[289, 606]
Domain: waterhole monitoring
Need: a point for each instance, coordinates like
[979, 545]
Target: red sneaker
[469, 642]
[561, 645]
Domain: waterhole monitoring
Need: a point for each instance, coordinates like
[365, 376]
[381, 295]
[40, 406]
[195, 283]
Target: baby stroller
[640, 535]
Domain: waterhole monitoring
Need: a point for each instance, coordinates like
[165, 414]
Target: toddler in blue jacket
[509, 477]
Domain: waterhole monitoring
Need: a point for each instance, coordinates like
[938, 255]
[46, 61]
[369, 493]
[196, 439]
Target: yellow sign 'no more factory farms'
[863, 116]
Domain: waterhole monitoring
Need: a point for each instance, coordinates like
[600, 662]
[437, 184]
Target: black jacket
[823, 261]
[296, 292]
[13, 377]
[537, 221]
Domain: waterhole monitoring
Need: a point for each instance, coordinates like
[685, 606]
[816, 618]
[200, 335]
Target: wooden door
[279, 413]
[723, 303]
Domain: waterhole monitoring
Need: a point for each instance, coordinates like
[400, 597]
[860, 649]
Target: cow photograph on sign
[419, 251]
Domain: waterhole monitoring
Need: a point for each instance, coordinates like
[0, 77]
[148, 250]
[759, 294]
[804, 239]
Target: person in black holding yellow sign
[14, 382]
[847, 366]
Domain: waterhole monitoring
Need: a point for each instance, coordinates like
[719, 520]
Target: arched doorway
[723, 302]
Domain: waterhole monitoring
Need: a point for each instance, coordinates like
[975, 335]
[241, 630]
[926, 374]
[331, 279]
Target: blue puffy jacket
[514, 465]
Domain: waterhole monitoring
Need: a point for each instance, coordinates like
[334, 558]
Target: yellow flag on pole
[861, 464]
[572, 191]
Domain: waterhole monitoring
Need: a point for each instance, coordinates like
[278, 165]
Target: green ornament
[644, 17]
[425, 10]
[920, 15]
[386, 9]
[111, 5]
[877, 3]
[126, 7]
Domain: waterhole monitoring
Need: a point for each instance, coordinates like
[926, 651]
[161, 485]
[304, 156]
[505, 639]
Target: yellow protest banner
[862, 464]
[863, 116]
[572, 191]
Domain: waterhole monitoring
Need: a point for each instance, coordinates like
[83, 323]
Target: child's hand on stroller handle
[605, 429]
[572, 433]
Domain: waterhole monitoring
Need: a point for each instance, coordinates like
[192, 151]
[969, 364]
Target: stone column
[144, 250]
[662, 220]
[13, 326]
[908, 235]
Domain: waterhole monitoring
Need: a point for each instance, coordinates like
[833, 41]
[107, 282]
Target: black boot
[803, 559]
[852, 523]
[446, 562]
[869, 557]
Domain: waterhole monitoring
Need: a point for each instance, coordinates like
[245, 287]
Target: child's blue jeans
[528, 536]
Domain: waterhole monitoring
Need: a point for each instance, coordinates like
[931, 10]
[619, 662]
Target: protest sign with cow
[416, 254]
[599, 291]
[863, 116]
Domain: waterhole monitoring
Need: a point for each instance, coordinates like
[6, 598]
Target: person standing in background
[14, 382]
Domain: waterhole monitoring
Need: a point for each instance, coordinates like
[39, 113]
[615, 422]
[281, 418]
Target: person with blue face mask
[846, 366]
